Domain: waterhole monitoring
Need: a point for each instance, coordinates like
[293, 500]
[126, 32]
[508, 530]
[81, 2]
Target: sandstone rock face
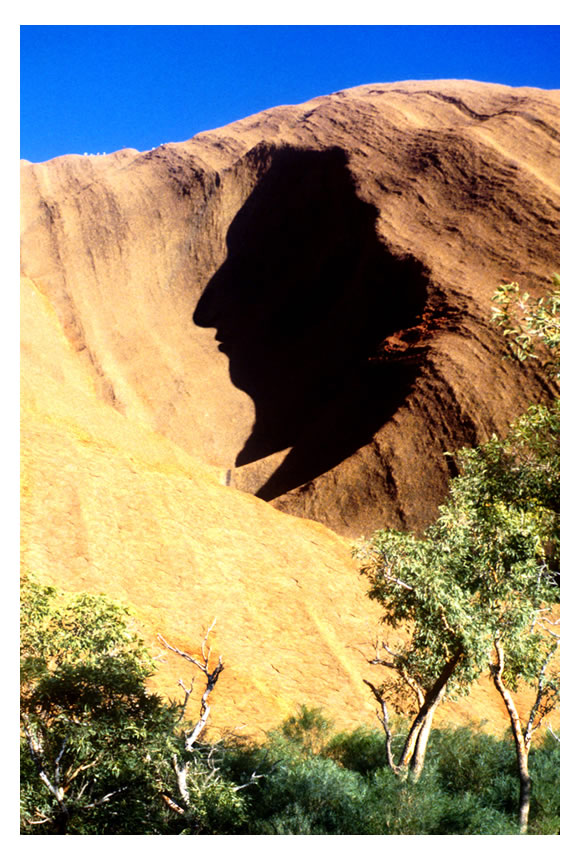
[294, 307]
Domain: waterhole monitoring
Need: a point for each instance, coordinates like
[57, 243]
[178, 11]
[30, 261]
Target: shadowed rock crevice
[304, 299]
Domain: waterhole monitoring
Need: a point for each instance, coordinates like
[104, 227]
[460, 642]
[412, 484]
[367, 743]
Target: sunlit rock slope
[294, 307]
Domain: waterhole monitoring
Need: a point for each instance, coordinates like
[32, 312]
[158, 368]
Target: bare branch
[203, 644]
[392, 653]
[252, 781]
[83, 767]
[105, 798]
[399, 667]
[188, 691]
[35, 748]
[204, 667]
[57, 762]
[181, 653]
[550, 632]
[44, 820]
[383, 718]
[181, 772]
[211, 675]
[387, 575]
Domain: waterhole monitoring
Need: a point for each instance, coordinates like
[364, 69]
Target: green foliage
[97, 749]
[309, 795]
[527, 323]
[362, 750]
[545, 773]
[478, 764]
[480, 568]
[469, 786]
[310, 783]
[85, 715]
[519, 474]
[309, 728]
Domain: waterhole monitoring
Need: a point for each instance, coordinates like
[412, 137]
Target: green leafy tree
[477, 583]
[528, 478]
[518, 479]
[100, 753]
[88, 723]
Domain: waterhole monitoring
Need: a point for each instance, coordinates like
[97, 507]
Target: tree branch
[497, 675]
[387, 575]
[211, 675]
[35, 748]
[383, 718]
[173, 805]
[105, 798]
[252, 781]
[547, 708]
[399, 667]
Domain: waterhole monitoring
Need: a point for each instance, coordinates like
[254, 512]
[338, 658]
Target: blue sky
[102, 88]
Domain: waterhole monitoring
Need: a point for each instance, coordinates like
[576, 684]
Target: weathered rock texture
[297, 306]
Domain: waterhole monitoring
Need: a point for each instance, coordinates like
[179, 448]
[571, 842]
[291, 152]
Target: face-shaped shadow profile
[301, 303]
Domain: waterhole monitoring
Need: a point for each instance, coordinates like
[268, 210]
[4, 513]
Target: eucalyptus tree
[477, 578]
[526, 475]
[89, 726]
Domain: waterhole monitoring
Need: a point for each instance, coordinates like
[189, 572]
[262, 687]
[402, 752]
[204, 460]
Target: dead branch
[36, 750]
[182, 772]
[83, 767]
[383, 718]
[105, 798]
[211, 675]
[252, 781]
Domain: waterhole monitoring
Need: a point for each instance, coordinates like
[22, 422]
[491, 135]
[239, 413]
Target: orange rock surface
[345, 252]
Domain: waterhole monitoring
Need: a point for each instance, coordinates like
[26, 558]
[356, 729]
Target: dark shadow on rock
[301, 305]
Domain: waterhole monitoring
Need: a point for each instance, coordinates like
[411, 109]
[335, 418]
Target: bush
[469, 785]
[545, 773]
[362, 750]
[309, 729]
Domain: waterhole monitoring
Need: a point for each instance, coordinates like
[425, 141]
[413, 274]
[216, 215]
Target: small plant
[527, 323]
[309, 728]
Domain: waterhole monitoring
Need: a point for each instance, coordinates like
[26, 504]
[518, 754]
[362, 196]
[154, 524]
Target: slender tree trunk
[419, 732]
[61, 821]
[418, 758]
[522, 743]
[525, 792]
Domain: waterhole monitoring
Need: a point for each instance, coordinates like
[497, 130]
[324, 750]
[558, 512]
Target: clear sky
[102, 88]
